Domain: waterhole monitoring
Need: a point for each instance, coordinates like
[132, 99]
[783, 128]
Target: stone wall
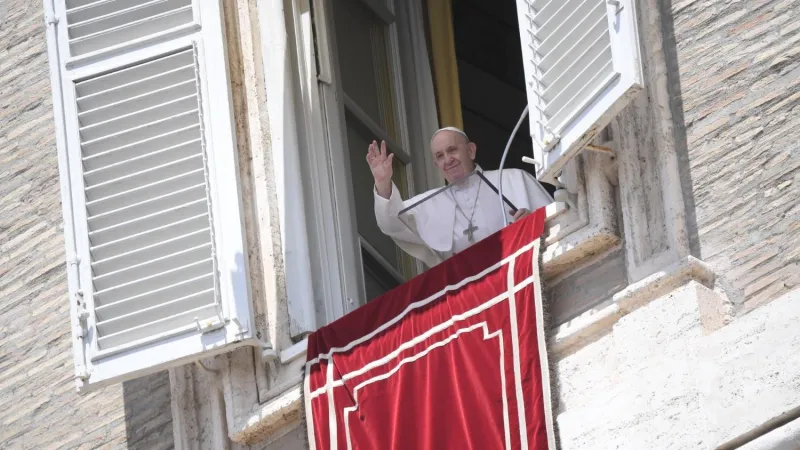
[39, 408]
[661, 377]
[738, 94]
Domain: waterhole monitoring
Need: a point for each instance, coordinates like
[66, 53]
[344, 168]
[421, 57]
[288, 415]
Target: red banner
[453, 358]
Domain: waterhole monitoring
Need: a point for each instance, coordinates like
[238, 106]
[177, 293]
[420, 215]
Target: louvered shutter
[149, 183]
[582, 66]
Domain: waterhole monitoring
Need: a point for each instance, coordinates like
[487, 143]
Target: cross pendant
[469, 232]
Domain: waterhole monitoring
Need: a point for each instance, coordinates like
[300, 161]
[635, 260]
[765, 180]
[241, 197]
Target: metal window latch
[616, 4]
[208, 325]
[550, 142]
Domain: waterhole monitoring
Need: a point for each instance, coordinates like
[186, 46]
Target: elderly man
[453, 220]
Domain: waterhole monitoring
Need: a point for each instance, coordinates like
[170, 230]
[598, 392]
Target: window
[351, 90]
[579, 67]
[366, 42]
[146, 151]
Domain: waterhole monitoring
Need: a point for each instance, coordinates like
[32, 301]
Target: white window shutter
[149, 184]
[582, 66]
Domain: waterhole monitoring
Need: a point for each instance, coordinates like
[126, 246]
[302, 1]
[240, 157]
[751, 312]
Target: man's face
[453, 155]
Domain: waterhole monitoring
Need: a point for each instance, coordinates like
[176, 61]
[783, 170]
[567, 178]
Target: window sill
[280, 414]
[273, 419]
[577, 333]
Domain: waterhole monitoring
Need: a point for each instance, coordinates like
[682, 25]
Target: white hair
[453, 129]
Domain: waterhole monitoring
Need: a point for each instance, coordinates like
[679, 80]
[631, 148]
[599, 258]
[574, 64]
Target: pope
[458, 217]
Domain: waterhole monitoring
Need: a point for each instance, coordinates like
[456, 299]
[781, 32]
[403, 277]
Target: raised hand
[381, 166]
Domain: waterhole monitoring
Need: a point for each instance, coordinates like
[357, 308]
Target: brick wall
[739, 84]
[39, 407]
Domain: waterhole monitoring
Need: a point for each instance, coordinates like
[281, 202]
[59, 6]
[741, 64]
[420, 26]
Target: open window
[156, 264]
[375, 69]
[372, 91]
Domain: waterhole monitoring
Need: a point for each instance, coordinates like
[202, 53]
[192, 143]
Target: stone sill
[273, 419]
[578, 332]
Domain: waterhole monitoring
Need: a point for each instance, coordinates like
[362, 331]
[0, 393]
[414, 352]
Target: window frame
[337, 269]
[399, 146]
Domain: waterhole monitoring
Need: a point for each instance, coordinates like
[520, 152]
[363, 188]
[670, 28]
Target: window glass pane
[358, 141]
[363, 61]
[377, 280]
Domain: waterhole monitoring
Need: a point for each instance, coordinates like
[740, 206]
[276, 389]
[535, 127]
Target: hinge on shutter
[81, 372]
[51, 20]
[83, 313]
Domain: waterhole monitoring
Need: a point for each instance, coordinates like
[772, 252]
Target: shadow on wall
[679, 128]
[148, 414]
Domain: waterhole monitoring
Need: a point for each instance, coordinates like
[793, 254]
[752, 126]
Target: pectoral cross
[469, 232]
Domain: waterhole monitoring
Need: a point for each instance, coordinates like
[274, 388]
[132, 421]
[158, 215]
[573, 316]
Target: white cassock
[436, 229]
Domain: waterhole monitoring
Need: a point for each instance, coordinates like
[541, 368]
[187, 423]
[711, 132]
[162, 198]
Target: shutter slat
[151, 253]
[538, 5]
[131, 183]
[160, 203]
[129, 77]
[142, 316]
[141, 133]
[143, 147]
[77, 5]
[116, 169]
[587, 91]
[543, 11]
[141, 224]
[142, 196]
[104, 250]
[134, 88]
[96, 20]
[130, 31]
[141, 118]
[578, 62]
[163, 279]
[562, 26]
[546, 17]
[81, 10]
[152, 266]
[108, 310]
[177, 91]
[164, 325]
[565, 61]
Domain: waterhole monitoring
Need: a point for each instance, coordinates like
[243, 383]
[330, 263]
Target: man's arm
[388, 202]
[381, 166]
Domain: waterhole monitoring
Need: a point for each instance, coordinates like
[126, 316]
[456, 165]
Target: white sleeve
[537, 195]
[386, 215]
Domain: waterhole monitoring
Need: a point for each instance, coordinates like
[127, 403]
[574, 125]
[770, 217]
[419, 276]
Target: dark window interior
[377, 279]
[491, 80]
